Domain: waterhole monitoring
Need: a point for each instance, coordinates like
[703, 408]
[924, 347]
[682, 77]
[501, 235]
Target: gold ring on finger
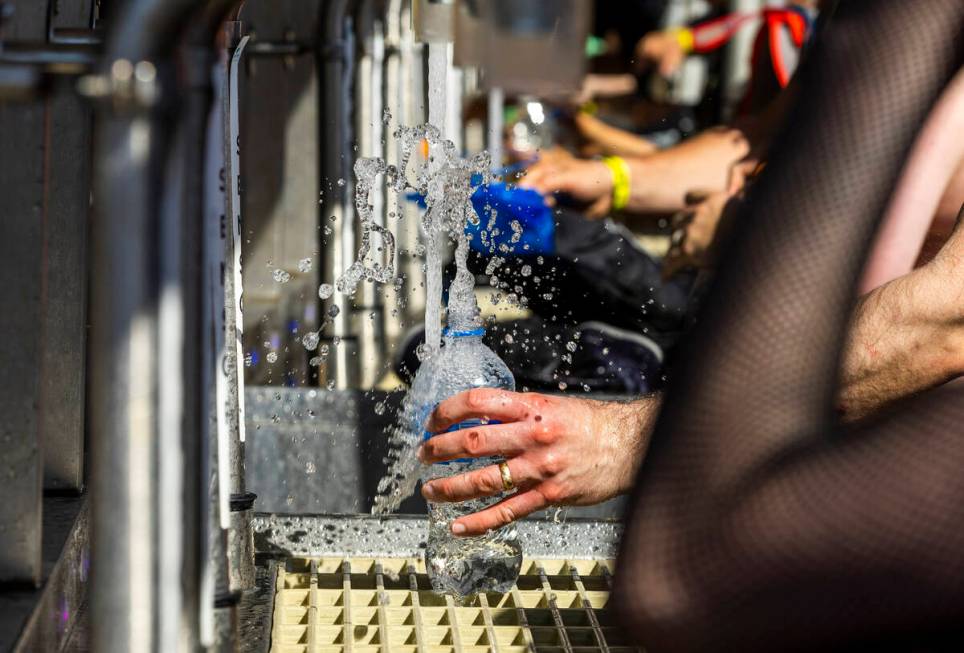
[506, 475]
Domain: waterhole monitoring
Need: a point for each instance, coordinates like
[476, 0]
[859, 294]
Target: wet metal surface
[255, 611]
[315, 451]
[404, 536]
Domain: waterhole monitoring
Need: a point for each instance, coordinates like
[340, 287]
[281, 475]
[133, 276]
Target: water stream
[445, 180]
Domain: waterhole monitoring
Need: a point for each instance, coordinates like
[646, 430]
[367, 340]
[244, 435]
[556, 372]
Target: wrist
[684, 38]
[953, 327]
[621, 181]
[632, 425]
[935, 298]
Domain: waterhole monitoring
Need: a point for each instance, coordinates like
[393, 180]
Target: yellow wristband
[621, 181]
[684, 36]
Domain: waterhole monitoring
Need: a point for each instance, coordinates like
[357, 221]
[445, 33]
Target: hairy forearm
[631, 424]
[905, 337]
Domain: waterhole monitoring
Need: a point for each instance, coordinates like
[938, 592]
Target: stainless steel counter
[404, 536]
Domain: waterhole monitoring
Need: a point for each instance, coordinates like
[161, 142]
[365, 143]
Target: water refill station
[180, 471]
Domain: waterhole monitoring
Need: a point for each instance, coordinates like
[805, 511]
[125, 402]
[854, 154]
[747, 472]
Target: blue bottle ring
[461, 334]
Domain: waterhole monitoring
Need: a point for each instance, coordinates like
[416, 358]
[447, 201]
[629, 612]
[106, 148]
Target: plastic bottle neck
[476, 332]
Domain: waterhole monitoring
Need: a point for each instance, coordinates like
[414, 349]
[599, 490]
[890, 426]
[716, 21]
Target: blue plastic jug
[524, 205]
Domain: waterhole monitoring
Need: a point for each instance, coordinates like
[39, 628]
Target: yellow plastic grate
[377, 605]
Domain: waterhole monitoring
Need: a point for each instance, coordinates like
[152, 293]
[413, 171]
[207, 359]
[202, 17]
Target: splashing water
[447, 187]
[445, 181]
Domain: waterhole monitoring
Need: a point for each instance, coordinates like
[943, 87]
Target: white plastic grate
[381, 605]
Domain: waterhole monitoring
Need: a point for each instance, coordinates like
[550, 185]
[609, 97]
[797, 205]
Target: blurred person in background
[597, 288]
[717, 160]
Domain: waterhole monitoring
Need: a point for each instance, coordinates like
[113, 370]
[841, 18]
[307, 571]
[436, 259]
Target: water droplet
[272, 357]
[423, 351]
[281, 276]
[304, 265]
[325, 290]
[526, 270]
[340, 182]
[310, 341]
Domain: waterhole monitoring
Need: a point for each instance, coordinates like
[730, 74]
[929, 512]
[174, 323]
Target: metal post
[368, 307]
[393, 315]
[414, 112]
[496, 125]
[23, 177]
[204, 300]
[229, 361]
[65, 318]
[24, 188]
[145, 412]
[335, 53]
[214, 572]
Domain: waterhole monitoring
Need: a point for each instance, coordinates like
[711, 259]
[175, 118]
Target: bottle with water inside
[465, 566]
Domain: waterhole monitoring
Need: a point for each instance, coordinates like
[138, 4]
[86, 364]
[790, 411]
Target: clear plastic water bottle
[465, 566]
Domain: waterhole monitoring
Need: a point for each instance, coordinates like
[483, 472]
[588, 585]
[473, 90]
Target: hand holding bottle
[559, 450]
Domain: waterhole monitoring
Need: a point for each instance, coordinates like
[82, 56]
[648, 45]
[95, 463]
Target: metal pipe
[144, 389]
[200, 362]
[414, 112]
[334, 66]
[393, 313]
[496, 125]
[230, 563]
[230, 360]
[368, 307]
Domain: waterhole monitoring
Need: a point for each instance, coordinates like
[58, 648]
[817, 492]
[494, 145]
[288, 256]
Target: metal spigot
[434, 20]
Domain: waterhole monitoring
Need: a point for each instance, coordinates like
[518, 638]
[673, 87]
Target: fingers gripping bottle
[465, 566]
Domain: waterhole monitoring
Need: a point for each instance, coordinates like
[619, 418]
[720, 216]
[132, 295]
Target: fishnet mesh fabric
[758, 521]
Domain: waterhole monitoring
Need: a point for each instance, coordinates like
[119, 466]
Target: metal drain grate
[382, 605]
